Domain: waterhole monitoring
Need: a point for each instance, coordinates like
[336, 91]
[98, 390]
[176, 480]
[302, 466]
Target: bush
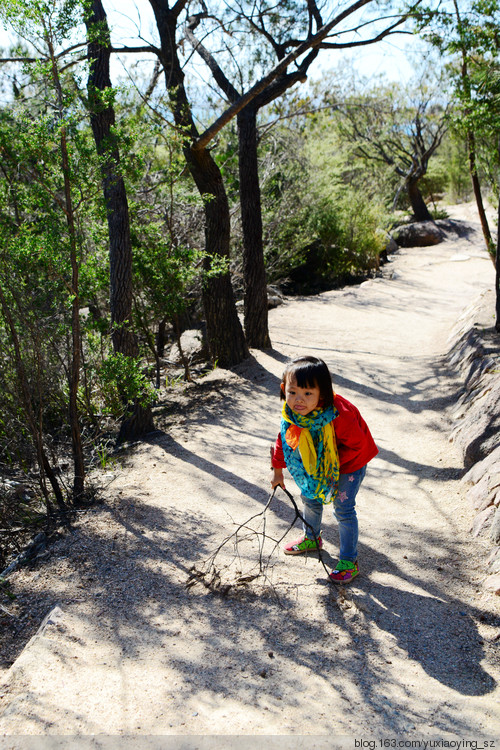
[122, 382]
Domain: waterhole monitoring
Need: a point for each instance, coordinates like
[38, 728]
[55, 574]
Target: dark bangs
[309, 372]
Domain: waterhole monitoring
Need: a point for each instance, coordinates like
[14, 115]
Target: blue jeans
[344, 510]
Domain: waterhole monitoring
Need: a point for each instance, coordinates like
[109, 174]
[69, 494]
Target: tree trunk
[497, 269]
[76, 340]
[102, 119]
[225, 335]
[419, 208]
[471, 139]
[226, 340]
[254, 272]
[471, 147]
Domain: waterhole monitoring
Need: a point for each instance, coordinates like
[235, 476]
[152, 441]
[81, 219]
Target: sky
[132, 23]
[389, 57]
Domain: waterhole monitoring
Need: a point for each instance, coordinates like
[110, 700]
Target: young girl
[326, 444]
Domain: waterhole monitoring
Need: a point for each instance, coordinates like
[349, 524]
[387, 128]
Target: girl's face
[301, 400]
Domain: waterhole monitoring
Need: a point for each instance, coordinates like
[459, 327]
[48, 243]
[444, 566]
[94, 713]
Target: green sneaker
[302, 545]
[344, 572]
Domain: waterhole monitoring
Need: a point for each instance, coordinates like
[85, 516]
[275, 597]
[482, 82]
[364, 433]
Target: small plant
[104, 456]
[123, 382]
[6, 590]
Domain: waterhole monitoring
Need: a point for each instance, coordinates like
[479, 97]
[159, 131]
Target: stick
[210, 576]
[299, 515]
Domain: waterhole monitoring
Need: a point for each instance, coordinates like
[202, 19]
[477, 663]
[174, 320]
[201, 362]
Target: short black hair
[310, 372]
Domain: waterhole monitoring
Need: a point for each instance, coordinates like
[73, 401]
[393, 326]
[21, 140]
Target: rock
[388, 246]
[478, 433]
[485, 430]
[495, 527]
[475, 353]
[273, 301]
[492, 583]
[482, 520]
[418, 234]
[489, 465]
[493, 561]
[193, 346]
[478, 492]
[391, 246]
[485, 493]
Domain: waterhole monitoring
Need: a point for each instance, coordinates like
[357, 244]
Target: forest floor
[409, 649]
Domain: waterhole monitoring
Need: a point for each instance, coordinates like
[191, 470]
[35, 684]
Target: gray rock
[493, 561]
[193, 346]
[495, 527]
[489, 465]
[418, 234]
[391, 246]
[492, 583]
[478, 492]
[478, 433]
[482, 521]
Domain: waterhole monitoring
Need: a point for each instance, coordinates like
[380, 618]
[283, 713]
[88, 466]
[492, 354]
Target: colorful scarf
[310, 451]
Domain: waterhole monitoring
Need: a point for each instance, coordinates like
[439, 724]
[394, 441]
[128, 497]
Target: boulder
[193, 346]
[478, 492]
[482, 520]
[495, 527]
[493, 561]
[489, 465]
[478, 432]
[274, 299]
[418, 234]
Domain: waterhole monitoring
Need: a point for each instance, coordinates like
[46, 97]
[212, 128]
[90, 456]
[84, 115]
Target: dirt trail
[407, 650]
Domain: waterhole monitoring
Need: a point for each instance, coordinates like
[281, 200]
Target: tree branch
[219, 76]
[205, 138]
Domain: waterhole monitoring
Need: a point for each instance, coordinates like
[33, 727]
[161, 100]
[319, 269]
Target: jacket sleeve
[355, 443]
[277, 457]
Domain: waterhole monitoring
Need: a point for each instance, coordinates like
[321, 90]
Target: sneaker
[299, 546]
[344, 572]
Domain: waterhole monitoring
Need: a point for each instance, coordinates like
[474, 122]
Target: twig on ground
[7, 611]
[209, 573]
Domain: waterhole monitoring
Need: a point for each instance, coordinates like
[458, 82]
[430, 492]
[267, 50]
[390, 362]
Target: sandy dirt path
[408, 650]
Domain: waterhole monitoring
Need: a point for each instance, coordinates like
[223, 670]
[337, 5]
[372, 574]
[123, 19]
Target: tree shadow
[433, 627]
[244, 643]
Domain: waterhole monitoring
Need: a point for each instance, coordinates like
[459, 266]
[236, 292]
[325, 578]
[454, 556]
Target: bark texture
[225, 335]
[102, 120]
[418, 205]
[254, 272]
[139, 420]
[476, 186]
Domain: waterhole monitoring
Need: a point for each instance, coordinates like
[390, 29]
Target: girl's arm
[277, 478]
[277, 464]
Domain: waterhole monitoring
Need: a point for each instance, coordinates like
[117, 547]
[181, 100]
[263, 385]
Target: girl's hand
[277, 478]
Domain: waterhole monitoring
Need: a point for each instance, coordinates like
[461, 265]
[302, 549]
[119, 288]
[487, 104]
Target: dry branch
[212, 573]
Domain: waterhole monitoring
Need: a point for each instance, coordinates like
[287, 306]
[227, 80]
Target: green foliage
[322, 215]
[469, 43]
[61, 17]
[122, 381]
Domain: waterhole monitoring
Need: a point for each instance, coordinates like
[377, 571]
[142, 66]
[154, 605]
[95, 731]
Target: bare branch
[282, 66]
[209, 572]
[117, 50]
[219, 76]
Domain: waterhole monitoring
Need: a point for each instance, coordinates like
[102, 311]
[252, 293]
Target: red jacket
[354, 441]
